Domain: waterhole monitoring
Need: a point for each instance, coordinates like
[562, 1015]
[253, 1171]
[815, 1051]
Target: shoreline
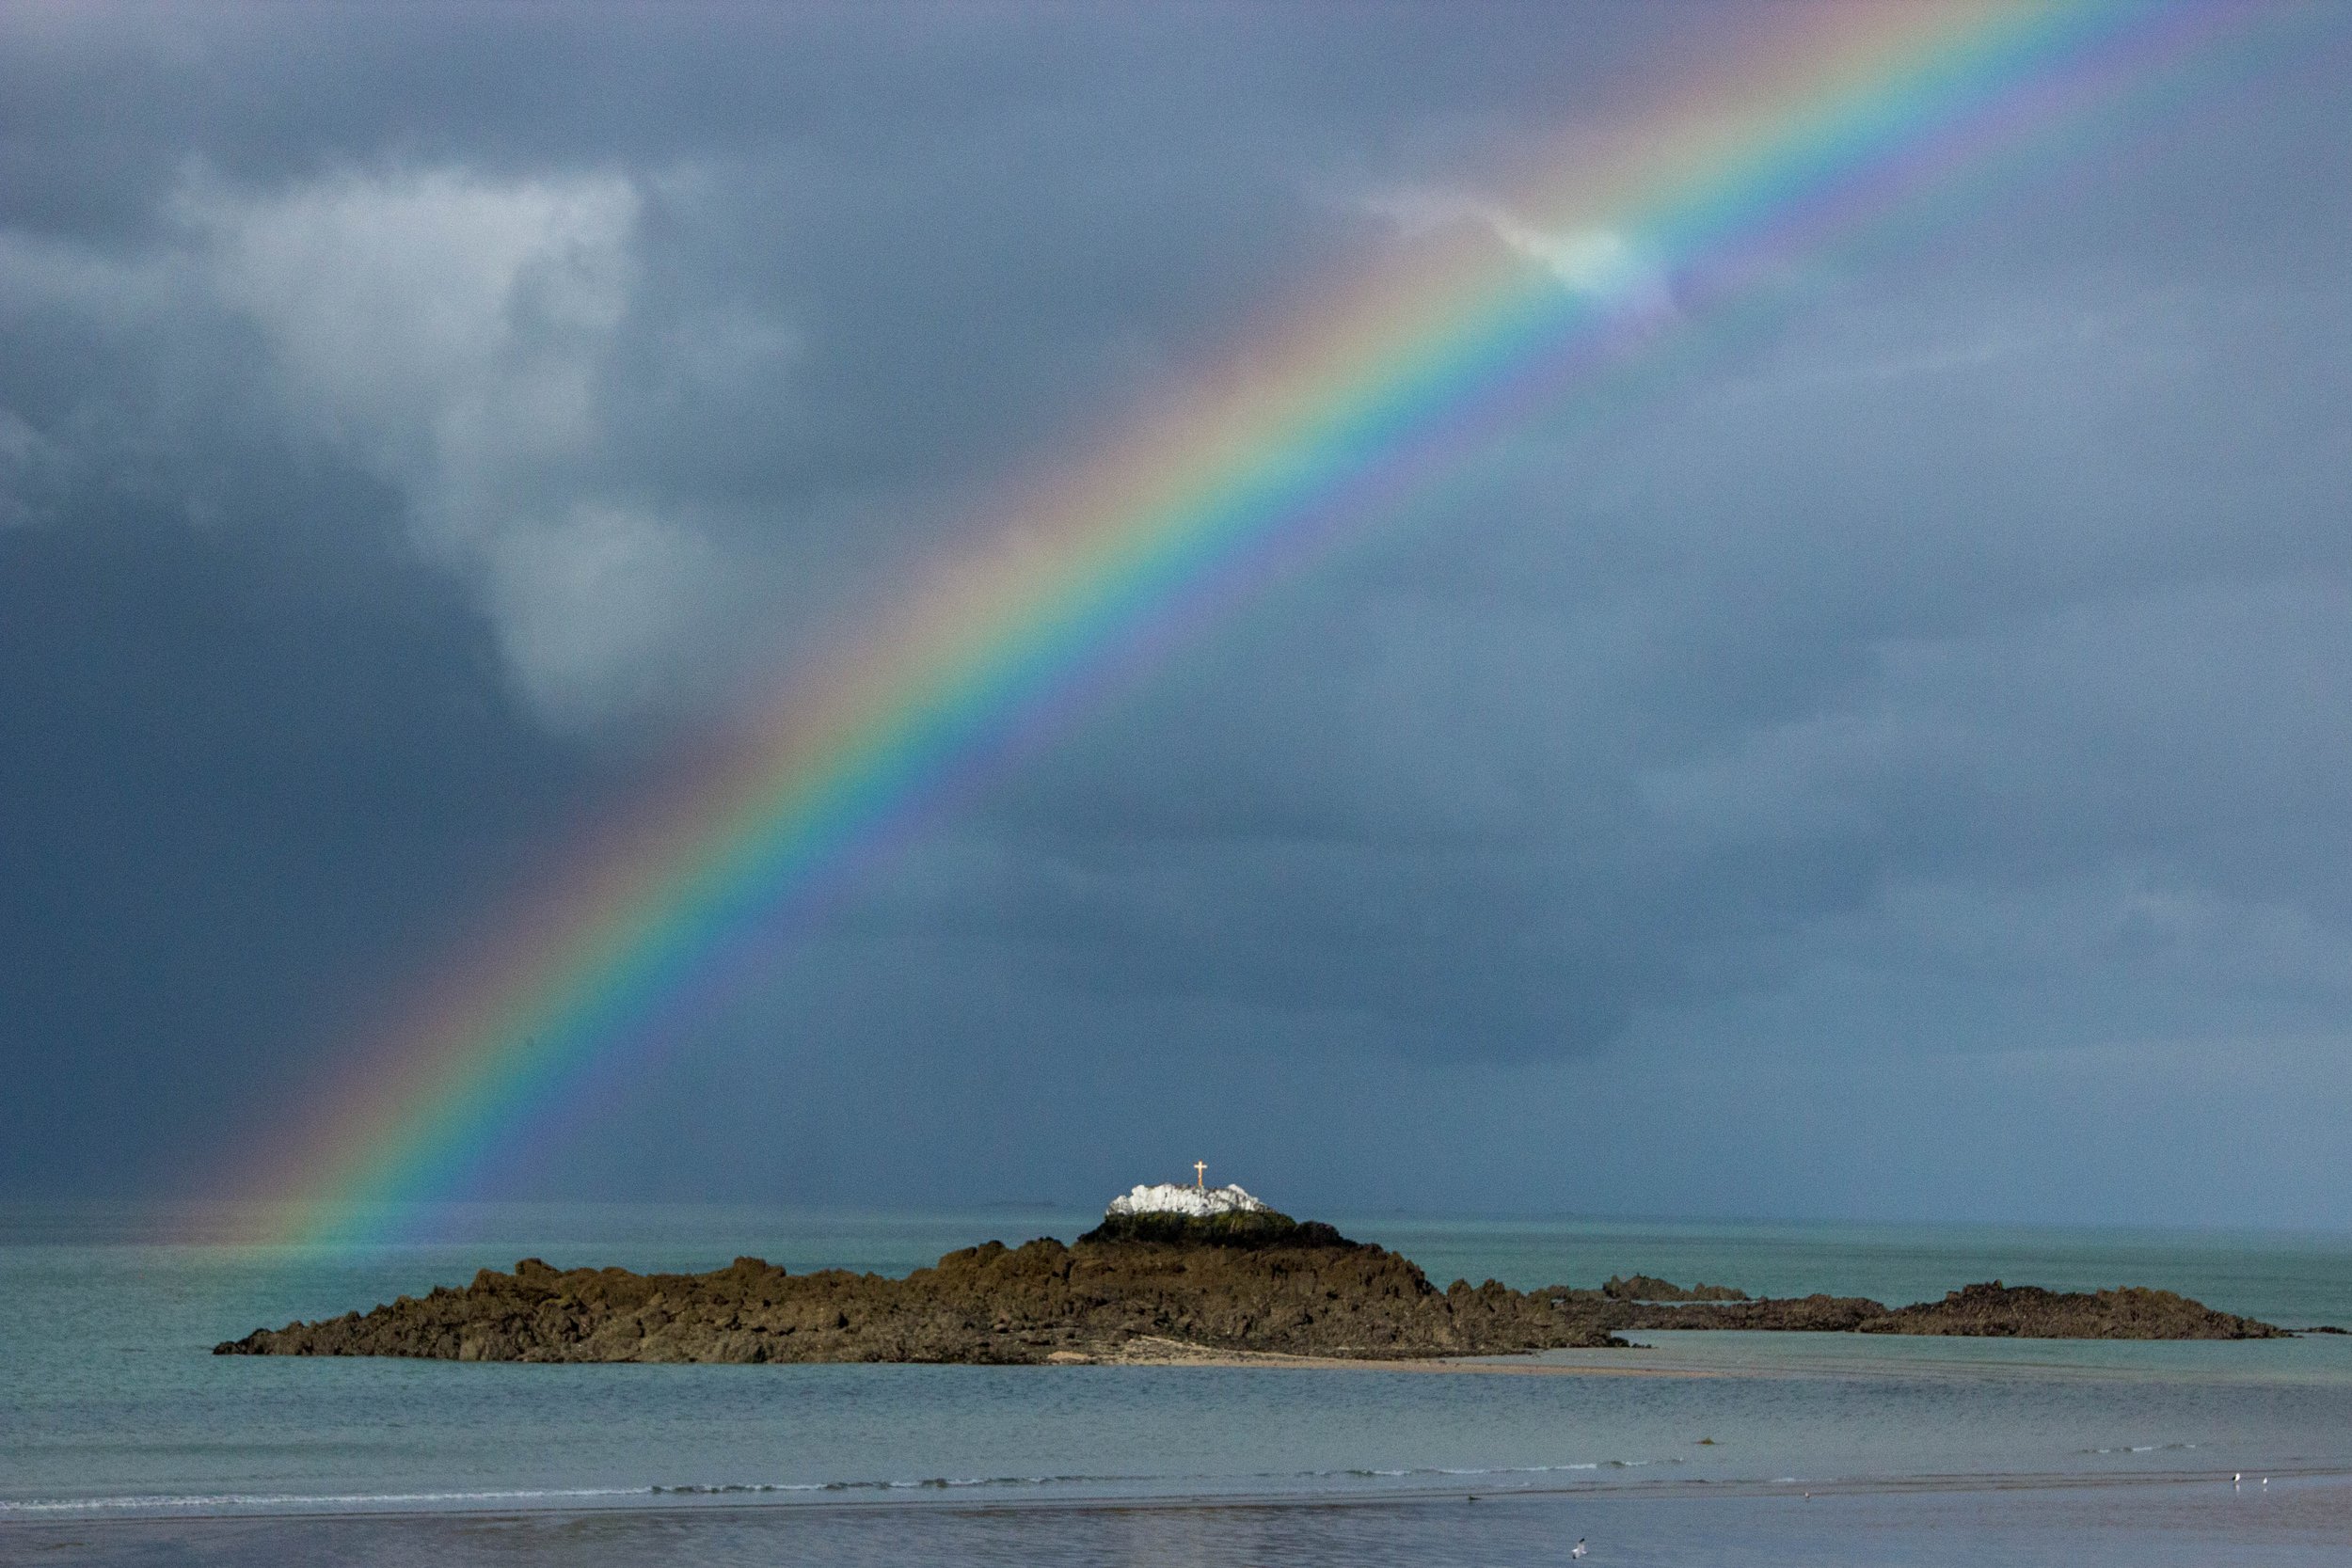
[1931, 1434]
[1156, 1351]
[653, 1502]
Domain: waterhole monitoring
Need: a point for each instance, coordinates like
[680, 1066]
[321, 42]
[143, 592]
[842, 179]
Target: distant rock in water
[1815, 1314]
[1201, 1272]
[2028, 1311]
[1976, 1311]
[1643, 1286]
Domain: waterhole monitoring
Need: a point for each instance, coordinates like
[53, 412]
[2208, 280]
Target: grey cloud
[411, 417]
[1995, 610]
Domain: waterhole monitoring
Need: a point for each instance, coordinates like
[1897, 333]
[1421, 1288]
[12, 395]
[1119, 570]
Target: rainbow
[1690, 212]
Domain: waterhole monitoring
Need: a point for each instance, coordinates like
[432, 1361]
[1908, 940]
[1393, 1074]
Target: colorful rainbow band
[1376, 393]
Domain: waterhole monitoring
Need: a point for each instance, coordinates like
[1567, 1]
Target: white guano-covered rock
[1166, 1197]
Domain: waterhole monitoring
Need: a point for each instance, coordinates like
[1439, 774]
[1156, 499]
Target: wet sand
[1151, 1351]
[2128, 1522]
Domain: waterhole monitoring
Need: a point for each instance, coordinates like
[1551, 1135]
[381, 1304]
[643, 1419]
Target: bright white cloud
[591, 601]
[431, 315]
[451, 330]
[1603, 263]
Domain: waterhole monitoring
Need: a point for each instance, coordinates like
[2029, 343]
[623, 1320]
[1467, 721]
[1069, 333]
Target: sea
[123, 1439]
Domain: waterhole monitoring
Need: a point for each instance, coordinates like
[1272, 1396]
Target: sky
[1891, 768]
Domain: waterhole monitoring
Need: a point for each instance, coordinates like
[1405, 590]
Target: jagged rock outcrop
[1815, 1314]
[1988, 1310]
[988, 1304]
[2028, 1311]
[1644, 1287]
[1249, 1283]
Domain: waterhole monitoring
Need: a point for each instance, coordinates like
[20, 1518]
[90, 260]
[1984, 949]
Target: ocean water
[121, 1438]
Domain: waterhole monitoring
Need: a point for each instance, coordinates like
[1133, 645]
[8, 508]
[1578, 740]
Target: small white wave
[1541, 1469]
[223, 1502]
[931, 1484]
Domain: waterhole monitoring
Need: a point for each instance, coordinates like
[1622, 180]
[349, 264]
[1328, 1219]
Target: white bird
[1578, 1549]
[2237, 1477]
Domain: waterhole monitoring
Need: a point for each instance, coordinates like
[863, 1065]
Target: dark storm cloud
[238, 784]
[410, 416]
[731, 318]
[2031, 612]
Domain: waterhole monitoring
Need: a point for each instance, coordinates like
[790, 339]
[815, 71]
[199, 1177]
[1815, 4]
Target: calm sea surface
[122, 1439]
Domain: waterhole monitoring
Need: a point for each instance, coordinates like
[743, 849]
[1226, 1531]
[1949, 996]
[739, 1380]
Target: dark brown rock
[984, 1303]
[1644, 1287]
[2028, 1311]
[1250, 1230]
[1289, 1290]
[1816, 1314]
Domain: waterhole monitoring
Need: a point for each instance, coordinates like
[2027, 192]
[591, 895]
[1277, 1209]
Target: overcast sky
[1896, 767]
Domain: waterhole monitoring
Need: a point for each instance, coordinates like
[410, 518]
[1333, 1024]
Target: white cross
[1201, 1175]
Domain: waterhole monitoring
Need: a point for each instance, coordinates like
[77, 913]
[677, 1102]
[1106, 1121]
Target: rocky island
[1171, 1274]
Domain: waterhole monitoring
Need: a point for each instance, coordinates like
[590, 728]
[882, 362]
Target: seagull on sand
[1580, 1548]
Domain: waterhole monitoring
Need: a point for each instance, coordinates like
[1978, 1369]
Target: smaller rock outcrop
[1814, 1314]
[1644, 1287]
[2028, 1311]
